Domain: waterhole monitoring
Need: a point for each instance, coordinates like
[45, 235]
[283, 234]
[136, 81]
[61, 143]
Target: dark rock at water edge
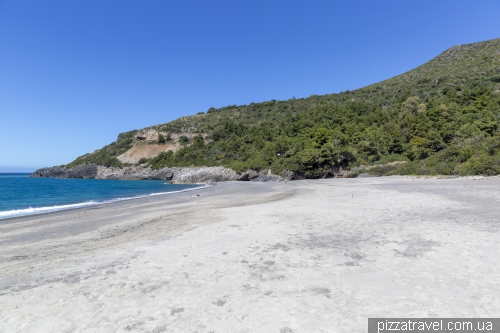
[81, 171]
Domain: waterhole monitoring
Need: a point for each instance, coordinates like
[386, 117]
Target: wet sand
[301, 256]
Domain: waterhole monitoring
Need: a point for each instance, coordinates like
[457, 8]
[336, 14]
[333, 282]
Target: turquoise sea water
[21, 195]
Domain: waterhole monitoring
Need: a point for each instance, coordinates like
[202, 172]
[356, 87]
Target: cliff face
[190, 175]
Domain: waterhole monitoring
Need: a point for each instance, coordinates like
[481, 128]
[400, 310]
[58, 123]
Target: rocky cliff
[187, 175]
[81, 171]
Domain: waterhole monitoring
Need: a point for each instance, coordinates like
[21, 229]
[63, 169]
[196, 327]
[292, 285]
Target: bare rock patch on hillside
[144, 149]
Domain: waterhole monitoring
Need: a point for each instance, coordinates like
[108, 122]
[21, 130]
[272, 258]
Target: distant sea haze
[21, 195]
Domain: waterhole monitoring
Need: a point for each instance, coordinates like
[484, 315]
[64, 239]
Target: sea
[21, 195]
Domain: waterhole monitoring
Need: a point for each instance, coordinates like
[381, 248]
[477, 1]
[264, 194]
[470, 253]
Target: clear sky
[75, 74]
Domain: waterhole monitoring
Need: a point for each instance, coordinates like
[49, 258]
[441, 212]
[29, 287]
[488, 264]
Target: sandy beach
[301, 256]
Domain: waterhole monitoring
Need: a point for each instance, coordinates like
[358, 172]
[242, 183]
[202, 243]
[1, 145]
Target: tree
[321, 137]
[410, 106]
[183, 139]
[161, 138]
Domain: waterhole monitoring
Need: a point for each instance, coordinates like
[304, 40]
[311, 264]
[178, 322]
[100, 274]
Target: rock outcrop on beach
[187, 175]
[133, 173]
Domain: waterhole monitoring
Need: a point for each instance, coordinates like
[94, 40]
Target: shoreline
[111, 213]
[176, 195]
[91, 203]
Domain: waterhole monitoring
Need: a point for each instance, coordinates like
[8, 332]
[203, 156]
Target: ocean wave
[39, 210]
[49, 209]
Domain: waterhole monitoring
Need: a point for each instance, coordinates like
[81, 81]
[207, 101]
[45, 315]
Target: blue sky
[74, 74]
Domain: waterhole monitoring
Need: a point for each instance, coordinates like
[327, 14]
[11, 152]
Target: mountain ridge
[424, 116]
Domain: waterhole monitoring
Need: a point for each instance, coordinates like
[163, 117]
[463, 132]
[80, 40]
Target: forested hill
[441, 117]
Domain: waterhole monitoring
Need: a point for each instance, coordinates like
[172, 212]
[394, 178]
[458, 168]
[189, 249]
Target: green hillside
[441, 117]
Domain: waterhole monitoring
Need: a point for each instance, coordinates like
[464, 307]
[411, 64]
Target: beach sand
[301, 256]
